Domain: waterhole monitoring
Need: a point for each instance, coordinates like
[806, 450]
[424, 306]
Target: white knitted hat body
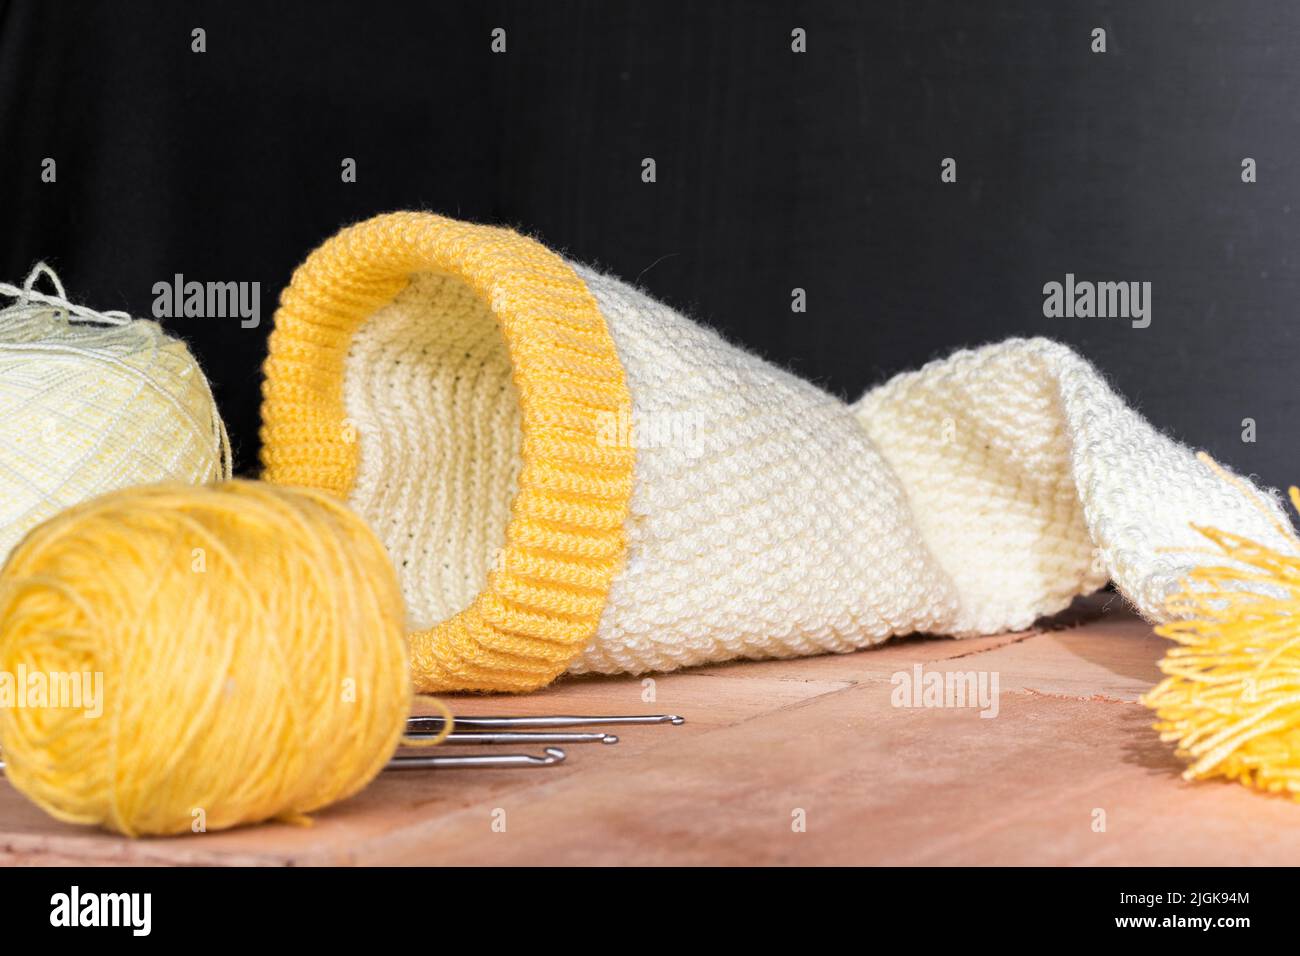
[572, 476]
[971, 497]
[1033, 482]
[763, 521]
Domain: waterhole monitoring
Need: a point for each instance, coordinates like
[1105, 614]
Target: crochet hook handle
[476, 737]
[553, 756]
[507, 723]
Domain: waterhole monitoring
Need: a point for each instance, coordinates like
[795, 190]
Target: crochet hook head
[510, 723]
[553, 755]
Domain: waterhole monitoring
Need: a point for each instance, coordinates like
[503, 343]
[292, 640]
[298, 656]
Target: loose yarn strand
[448, 724]
[29, 301]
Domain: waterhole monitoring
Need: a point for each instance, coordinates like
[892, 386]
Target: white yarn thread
[30, 301]
[93, 401]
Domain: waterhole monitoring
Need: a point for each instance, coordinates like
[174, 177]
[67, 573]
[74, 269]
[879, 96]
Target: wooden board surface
[767, 743]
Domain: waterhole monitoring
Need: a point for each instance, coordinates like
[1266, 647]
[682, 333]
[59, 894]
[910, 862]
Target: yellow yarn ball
[251, 642]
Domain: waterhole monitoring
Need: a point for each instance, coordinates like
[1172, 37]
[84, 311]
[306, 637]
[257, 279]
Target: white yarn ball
[91, 402]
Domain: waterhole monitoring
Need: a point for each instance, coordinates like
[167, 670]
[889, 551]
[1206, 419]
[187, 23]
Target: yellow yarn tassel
[1231, 700]
[251, 645]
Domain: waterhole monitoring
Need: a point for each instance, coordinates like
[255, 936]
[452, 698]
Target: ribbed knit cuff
[565, 539]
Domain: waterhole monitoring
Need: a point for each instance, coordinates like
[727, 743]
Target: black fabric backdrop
[775, 170]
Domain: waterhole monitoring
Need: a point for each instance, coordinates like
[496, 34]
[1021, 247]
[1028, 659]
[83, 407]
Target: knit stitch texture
[570, 475]
[404, 452]
[91, 405]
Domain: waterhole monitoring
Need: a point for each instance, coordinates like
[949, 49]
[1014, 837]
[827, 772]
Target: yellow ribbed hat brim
[565, 539]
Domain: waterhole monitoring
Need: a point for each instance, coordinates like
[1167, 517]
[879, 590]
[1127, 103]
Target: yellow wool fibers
[251, 642]
[1231, 697]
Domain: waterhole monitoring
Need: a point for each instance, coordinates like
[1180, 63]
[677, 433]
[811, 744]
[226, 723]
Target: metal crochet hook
[434, 724]
[553, 756]
[509, 737]
[431, 726]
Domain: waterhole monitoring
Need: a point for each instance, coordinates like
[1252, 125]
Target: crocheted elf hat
[572, 476]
